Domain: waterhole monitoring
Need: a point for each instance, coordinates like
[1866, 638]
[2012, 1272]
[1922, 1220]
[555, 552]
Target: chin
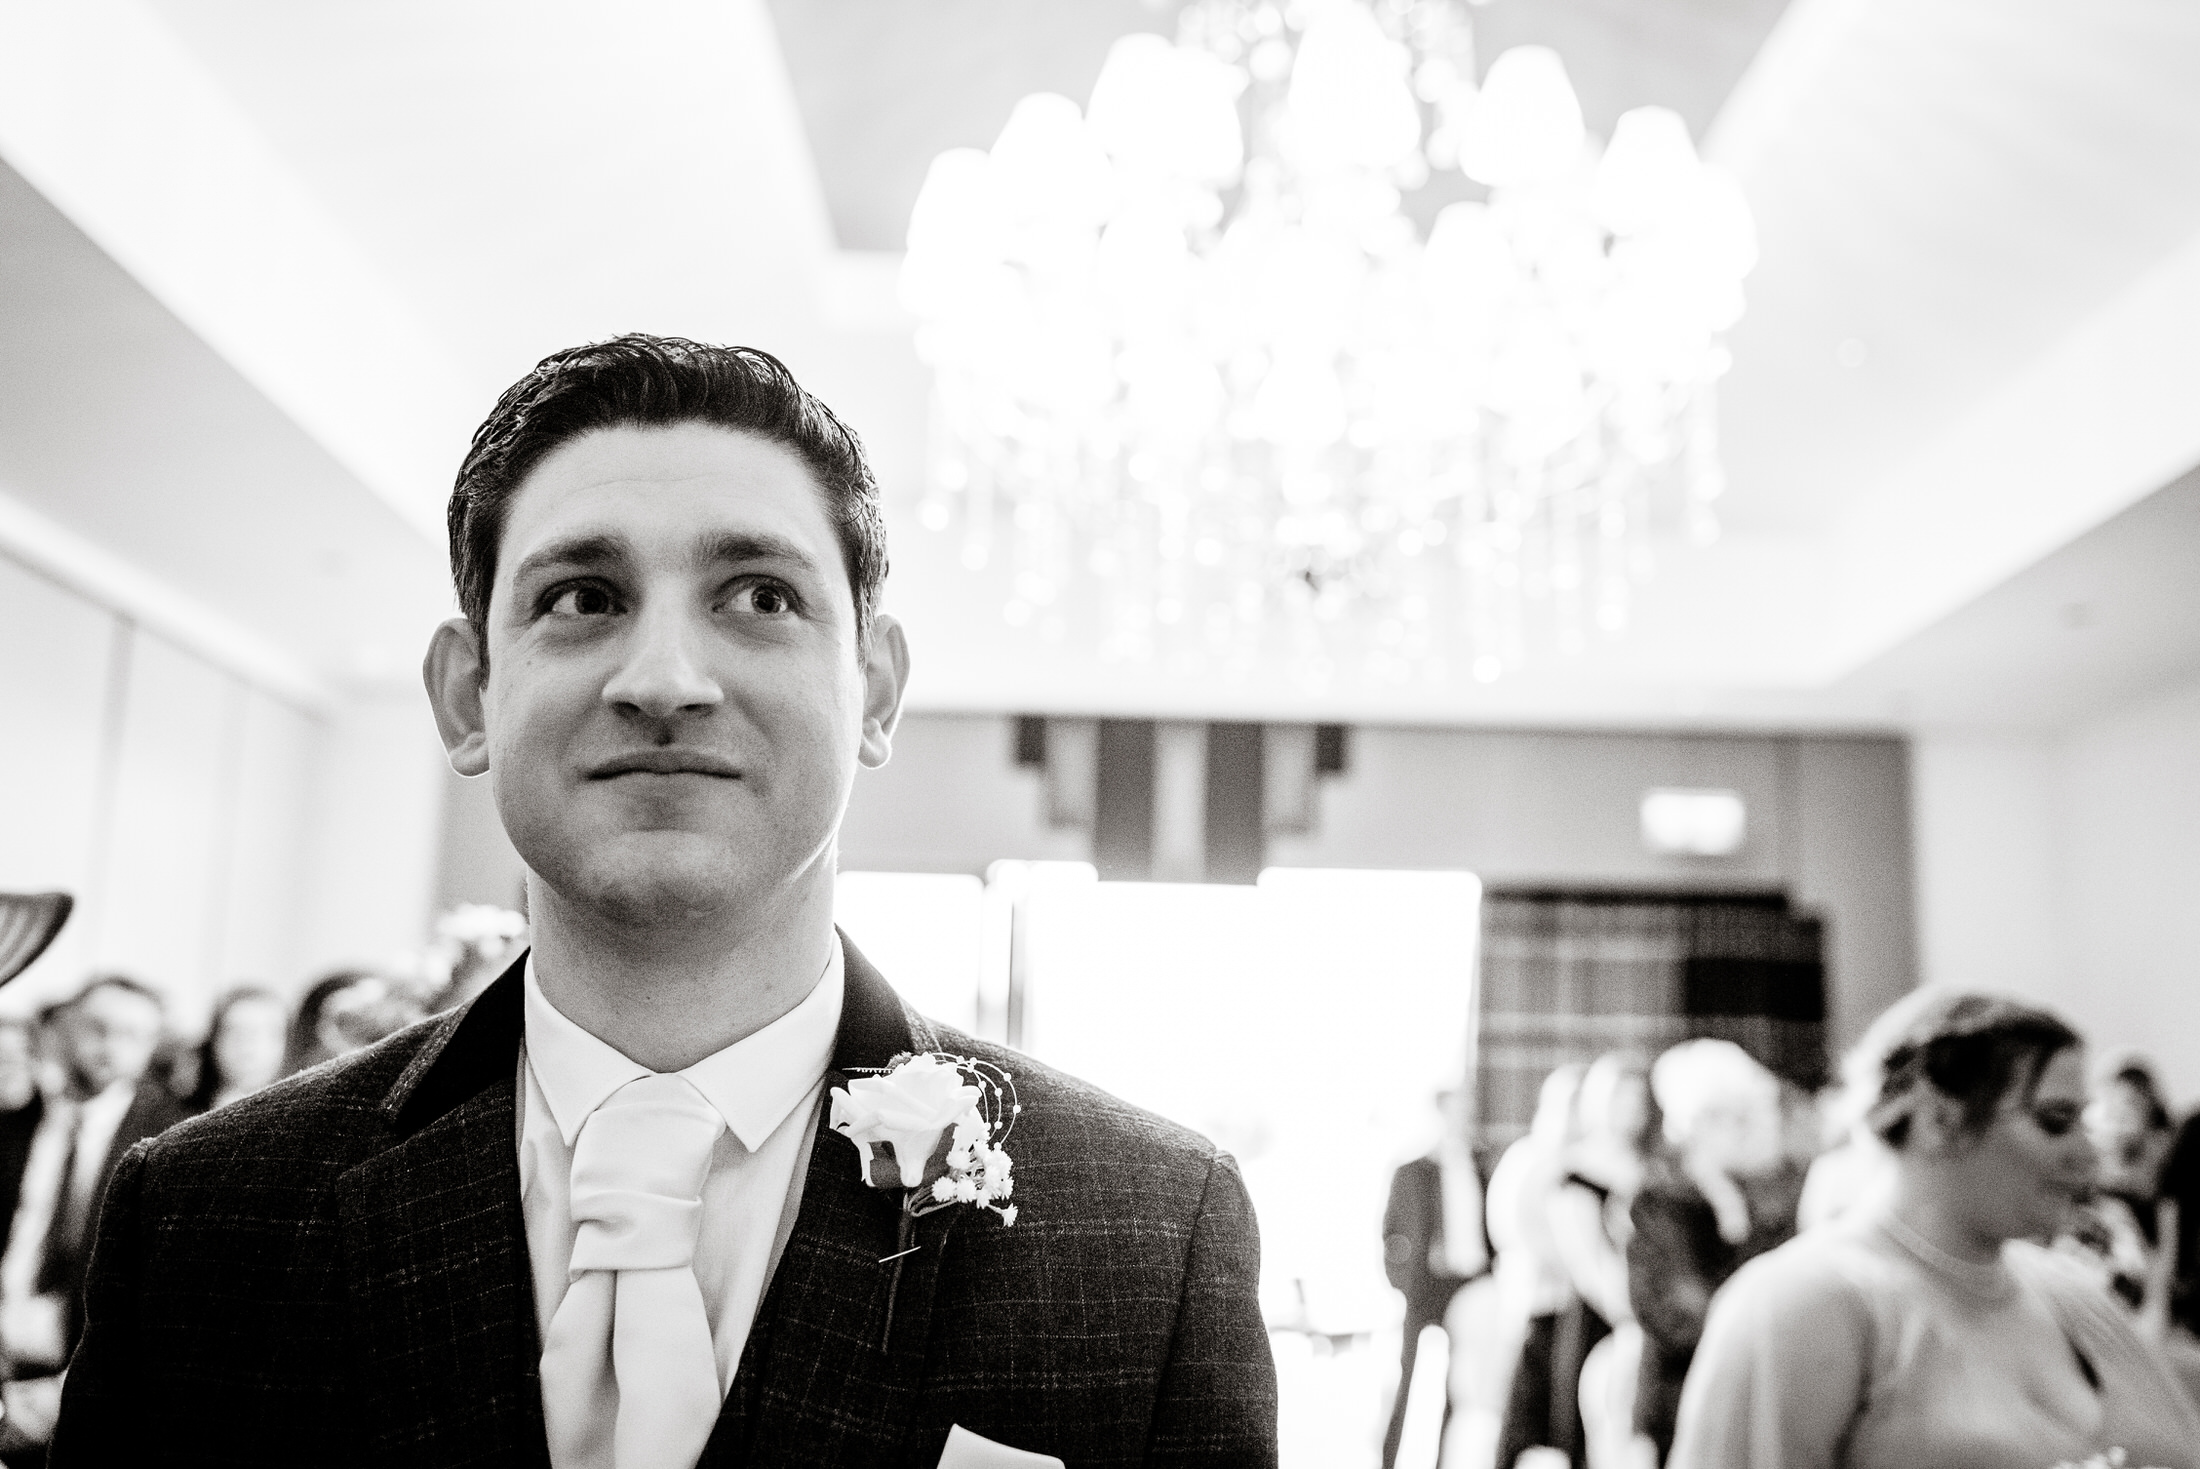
[660, 880]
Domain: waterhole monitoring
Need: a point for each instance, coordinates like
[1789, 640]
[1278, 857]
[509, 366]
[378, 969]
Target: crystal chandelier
[1198, 373]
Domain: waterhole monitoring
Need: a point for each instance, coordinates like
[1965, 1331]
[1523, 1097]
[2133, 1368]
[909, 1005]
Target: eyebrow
[572, 553]
[742, 546]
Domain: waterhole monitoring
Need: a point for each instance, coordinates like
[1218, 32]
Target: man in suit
[1434, 1242]
[106, 1037]
[21, 1110]
[594, 1218]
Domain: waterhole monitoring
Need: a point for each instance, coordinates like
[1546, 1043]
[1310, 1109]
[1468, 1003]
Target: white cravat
[628, 1366]
[765, 1089]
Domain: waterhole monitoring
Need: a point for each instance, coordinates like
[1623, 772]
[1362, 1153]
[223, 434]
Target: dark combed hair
[1974, 1049]
[641, 381]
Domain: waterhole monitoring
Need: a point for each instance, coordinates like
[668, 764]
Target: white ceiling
[273, 260]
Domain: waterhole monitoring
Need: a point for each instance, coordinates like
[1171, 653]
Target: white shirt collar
[753, 1083]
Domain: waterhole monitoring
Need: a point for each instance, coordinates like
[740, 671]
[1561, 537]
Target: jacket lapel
[436, 1253]
[835, 1360]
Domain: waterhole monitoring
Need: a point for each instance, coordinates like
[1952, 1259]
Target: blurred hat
[28, 922]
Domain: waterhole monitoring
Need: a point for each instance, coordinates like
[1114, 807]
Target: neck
[1930, 1208]
[667, 997]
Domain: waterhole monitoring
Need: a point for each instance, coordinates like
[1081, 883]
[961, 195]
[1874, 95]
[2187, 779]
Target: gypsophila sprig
[933, 1125]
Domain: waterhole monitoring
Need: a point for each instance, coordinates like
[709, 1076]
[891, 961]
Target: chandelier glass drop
[1198, 372]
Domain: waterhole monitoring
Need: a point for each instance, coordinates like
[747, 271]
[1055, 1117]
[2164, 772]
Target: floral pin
[933, 1124]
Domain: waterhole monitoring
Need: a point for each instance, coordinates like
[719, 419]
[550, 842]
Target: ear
[1937, 1127]
[885, 677]
[452, 672]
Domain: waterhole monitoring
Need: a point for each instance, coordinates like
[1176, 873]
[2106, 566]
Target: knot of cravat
[638, 1170]
[629, 1373]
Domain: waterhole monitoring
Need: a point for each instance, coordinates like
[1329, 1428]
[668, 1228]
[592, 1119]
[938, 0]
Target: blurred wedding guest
[1531, 1278]
[1434, 1242]
[1927, 1328]
[373, 1009]
[246, 1044]
[21, 1107]
[349, 1011]
[473, 944]
[308, 1044]
[2117, 1232]
[1597, 1345]
[1724, 1191]
[2177, 1218]
[109, 1101]
[50, 1045]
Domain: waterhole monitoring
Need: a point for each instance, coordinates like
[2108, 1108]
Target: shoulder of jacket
[338, 1104]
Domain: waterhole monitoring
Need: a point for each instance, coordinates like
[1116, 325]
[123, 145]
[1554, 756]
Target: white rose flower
[907, 1109]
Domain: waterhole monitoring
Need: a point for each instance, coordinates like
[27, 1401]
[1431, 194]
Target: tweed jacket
[335, 1272]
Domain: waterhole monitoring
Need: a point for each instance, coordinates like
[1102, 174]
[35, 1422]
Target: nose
[662, 675]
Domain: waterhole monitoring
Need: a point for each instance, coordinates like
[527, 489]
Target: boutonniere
[932, 1125]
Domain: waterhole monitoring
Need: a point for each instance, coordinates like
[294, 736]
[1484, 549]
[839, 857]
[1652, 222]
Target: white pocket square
[967, 1450]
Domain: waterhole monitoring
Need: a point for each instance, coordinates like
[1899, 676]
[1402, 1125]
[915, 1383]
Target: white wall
[211, 832]
[55, 661]
[1988, 903]
[375, 825]
[2067, 867]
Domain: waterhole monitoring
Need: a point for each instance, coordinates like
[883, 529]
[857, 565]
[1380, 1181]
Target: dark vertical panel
[1031, 740]
[1236, 779]
[1330, 750]
[1122, 826]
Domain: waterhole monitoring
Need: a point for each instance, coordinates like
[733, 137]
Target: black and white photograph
[1099, 734]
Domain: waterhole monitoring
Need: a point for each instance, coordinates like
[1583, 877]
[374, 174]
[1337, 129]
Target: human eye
[580, 599]
[763, 598]
[2057, 1118]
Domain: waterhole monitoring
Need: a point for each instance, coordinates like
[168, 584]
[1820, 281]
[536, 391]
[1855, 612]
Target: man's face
[112, 1032]
[676, 704]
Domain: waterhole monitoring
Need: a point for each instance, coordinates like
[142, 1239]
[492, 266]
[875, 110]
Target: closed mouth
[667, 762]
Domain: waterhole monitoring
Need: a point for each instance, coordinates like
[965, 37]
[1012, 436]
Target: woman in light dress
[1925, 1328]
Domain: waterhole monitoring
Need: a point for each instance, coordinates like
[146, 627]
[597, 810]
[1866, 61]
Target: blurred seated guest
[308, 1045]
[473, 944]
[1927, 1328]
[349, 1011]
[2177, 1222]
[2117, 1232]
[1531, 1279]
[21, 1107]
[50, 1044]
[1434, 1242]
[244, 1050]
[369, 1010]
[1723, 1192]
[110, 1101]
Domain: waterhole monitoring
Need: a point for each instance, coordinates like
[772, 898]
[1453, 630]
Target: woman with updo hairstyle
[1929, 1326]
